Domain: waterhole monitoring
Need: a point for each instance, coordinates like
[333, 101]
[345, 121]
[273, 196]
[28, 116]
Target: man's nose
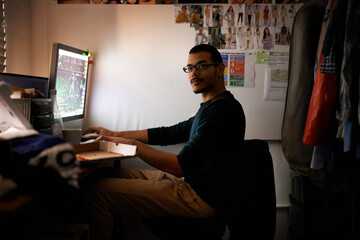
[195, 72]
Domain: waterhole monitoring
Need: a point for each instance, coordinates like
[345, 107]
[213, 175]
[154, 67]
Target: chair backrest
[250, 205]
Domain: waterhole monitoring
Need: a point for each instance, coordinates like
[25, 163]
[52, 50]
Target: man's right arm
[158, 136]
[139, 135]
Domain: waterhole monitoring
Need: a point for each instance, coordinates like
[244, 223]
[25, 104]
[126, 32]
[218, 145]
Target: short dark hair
[215, 54]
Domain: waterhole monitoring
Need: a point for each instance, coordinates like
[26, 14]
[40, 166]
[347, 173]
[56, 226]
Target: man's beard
[206, 88]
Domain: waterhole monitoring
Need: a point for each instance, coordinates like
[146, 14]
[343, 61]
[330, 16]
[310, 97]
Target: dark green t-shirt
[213, 138]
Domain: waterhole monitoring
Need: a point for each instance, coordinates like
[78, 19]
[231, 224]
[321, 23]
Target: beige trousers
[140, 193]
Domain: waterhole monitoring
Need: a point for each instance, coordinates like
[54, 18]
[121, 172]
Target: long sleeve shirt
[213, 138]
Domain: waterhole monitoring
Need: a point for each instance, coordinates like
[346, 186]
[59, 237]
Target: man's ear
[221, 68]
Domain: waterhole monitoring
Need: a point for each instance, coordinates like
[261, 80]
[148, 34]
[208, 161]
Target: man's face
[207, 79]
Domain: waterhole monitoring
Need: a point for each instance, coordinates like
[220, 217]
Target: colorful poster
[237, 70]
[225, 58]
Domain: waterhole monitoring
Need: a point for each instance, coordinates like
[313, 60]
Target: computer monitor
[69, 76]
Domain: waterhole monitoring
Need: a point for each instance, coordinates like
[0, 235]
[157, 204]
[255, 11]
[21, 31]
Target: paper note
[262, 57]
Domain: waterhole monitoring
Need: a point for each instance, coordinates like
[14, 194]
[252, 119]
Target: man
[191, 183]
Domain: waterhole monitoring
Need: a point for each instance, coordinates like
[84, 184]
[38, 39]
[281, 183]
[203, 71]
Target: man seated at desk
[191, 183]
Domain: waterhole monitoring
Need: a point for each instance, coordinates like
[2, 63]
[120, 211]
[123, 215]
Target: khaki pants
[140, 193]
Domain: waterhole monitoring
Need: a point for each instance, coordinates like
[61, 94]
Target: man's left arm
[161, 160]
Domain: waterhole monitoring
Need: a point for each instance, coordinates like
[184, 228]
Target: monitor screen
[68, 75]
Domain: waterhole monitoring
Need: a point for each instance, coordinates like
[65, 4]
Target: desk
[91, 158]
[99, 151]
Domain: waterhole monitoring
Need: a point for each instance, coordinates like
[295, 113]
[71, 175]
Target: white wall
[18, 36]
[136, 80]
[137, 65]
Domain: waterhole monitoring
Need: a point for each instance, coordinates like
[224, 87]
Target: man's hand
[124, 136]
[98, 130]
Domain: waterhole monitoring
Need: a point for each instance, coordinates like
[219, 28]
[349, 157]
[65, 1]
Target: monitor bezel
[53, 74]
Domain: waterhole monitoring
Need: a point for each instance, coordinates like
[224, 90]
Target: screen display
[71, 80]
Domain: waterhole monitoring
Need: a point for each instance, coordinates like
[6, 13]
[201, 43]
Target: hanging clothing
[303, 53]
[323, 99]
[351, 44]
[348, 111]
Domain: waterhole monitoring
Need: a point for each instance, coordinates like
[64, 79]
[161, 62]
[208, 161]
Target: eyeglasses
[198, 67]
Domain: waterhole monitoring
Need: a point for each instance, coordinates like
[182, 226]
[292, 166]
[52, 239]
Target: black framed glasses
[198, 67]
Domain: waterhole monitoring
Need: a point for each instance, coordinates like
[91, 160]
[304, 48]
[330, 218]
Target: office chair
[250, 203]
